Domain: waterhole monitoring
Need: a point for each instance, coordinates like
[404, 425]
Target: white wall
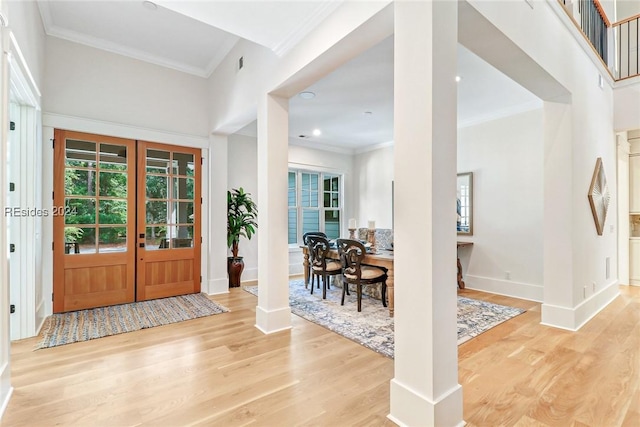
[626, 114]
[505, 156]
[581, 288]
[26, 25]
[374, 175]
[89, 83]
[626, 9]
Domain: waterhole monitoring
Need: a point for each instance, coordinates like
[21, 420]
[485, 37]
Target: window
[315, 204]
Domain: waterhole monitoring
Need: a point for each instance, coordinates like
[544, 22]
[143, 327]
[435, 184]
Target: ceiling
[189, 36]
[344, 99]
[352, 107]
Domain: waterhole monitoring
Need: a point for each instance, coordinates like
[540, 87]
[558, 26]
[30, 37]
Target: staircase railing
[594, 24]
[627, 41]
[616, 44]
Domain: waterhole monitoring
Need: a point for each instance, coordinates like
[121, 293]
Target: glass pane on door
[95, 186]
[170, 189]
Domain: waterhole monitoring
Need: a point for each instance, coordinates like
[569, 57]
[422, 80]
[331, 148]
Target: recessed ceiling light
[316, 132]
[458, 78]
[149, 5]
[307, 95]
[367, 113]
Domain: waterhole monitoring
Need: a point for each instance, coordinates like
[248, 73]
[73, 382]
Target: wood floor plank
[221, 370]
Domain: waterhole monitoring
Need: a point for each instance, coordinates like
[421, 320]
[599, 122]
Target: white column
[557, 308]
[273, 312]
[425, 389]
[217, 261]
[624, 149]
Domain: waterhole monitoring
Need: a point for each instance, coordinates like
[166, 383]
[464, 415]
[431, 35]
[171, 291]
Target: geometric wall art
[599, 196]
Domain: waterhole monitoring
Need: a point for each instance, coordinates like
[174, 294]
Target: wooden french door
[168, 233]
[126, 214]
[94, 221]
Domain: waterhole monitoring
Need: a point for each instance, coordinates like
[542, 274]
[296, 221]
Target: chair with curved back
[321, 265]
[352, 253]
[305, 240]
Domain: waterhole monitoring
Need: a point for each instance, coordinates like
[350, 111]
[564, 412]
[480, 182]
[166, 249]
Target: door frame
[26, 232]
[136, 255]
[51, 121]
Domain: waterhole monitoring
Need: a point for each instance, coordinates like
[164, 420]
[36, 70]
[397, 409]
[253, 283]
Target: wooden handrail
[624, 21]
[601, 12]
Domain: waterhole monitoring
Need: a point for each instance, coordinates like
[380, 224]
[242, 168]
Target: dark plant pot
[235, 265]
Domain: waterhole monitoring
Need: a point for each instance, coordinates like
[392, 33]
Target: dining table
[379, 258]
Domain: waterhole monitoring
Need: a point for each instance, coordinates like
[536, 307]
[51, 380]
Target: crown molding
[54, 31]
[305, 27]
[374, 147]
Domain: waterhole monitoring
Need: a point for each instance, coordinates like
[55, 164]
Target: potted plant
[242, 213]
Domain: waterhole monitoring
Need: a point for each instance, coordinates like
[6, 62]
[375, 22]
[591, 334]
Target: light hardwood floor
[221, 371]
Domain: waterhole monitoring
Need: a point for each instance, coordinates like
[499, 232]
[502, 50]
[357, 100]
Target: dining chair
[352, 253]
[321, 265]
[305, 241]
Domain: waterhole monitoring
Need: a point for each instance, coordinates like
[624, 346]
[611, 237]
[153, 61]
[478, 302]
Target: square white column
[218, 173]
[425, 389]
[273, 312]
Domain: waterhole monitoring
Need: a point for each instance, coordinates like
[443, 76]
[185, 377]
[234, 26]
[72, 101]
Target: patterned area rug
[373, 328]
[83, 325]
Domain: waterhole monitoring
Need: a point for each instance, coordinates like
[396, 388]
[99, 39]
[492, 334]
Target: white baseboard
[249, 274]
[508, 288]
[409, 408]
[271, 321]
[296, 269]
[218, 286]
[573, 318]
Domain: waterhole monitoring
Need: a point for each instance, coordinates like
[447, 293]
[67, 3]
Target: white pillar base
[273, 321]
[218, 286]
[443, 412]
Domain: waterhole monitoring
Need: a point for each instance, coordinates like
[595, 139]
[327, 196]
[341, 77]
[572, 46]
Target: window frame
[322, 175]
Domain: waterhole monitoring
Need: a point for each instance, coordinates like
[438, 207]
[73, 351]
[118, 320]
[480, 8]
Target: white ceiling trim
[374, 147]
[499, 114]
[320, 146]
[52, 30]
[221, 53]
[305, 27]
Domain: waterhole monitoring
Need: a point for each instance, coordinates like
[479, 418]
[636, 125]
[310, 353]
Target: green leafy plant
[242, 213]
[72, 234]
